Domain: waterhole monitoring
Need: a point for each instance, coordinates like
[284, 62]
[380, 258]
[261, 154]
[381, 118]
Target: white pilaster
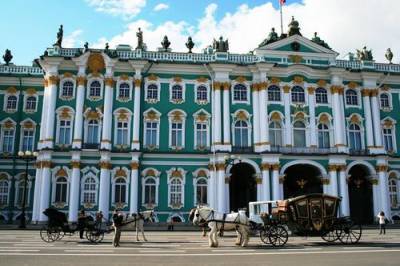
[78, 121]
[276, 186]
[217, 110]
[333, 180]
[45, 186]
[211, 189]
[256, 118]
[226, 115]
[311, 106]
[136, 116]
[264, 123]
[107, 119]
[344, 192]
[74, 188]
[266, 187]
[104, 195]
[221, 187]
[134, 196]
[288, 123]
[376, 117]
[383, 190]
[368, 118]
[51, 94]
[36, 196]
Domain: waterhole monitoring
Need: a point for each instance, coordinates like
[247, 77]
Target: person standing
[117, 222]
[81, 222]
[382, 222]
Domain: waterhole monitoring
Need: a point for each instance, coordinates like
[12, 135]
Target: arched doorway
[301, 179]
[242, 186]
[360, 195]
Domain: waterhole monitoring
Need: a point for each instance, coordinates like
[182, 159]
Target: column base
[76, 145]
[262, 148]
[222, 147]
[47, 144]
[135, 146]
[377, 150]
[343, 149]
[105, 145]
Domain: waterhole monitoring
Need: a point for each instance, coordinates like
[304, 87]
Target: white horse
[136, 221]
[220, 222]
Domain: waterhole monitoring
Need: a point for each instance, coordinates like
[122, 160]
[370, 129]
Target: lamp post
[27, 156]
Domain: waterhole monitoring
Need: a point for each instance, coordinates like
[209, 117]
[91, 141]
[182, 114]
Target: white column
[288, 122]
[376, 117]
[107, 118]
[136, 116]
[45, 190]
[211, 189]
[276, 186]
[78, 121]
[384, 190]
[344, 192]
[368, 118]
[51, 95]
[221, 187]
[265, 182]
[264, 123]
[342, 117]
[337, 123]
[256, 118]
[36, 196]
[311, 107]
[74, 188]
[333, 184]
[43, 119]
[226, 114]
[217, 110]
[134, 205]
[104, 195]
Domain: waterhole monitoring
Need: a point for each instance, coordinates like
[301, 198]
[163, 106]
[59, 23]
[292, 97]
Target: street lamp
[27, 156]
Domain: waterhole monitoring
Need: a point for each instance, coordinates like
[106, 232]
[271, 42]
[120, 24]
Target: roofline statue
[221, 45]
[60, 35]
[364, 54]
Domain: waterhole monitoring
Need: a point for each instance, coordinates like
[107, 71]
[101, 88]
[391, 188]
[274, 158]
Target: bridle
[204, 220]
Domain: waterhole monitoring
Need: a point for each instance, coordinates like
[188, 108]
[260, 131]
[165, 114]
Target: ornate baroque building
[137, 129]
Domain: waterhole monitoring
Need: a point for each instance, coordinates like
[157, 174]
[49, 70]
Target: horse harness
[211, 218]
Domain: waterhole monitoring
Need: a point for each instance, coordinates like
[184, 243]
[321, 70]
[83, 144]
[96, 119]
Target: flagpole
[280, 4]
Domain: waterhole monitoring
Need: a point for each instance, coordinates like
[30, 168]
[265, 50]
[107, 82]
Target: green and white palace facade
[134, 129]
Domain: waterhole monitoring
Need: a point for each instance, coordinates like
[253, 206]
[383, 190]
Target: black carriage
[308, 215]
[57, 227]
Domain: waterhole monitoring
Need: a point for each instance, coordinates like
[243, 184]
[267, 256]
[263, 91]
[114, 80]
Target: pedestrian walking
[117, 222]
[99, 219]
[382, 222]
[81, 223]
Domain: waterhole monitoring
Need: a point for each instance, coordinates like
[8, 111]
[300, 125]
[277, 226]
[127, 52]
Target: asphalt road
[190, 248]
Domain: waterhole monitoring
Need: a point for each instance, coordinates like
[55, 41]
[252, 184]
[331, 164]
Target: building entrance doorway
[301, 179]
[360, 195]
[242, 186]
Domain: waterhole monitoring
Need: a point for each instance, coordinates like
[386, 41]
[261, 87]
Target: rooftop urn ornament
[221, 45]
[107, 47]
[364, 54]
[60, 34]
[294, 27]
[7, 57]
[165, 43]
[190, 44]
[389, 55]
[316, 39]
[139, 35]
[85, 47]
[272, 37]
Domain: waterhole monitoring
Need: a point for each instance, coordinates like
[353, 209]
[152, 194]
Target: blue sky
[27, 27]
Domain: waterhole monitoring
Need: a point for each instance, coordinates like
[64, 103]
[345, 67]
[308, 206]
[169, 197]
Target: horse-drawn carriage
[308, 215]
[57, 227]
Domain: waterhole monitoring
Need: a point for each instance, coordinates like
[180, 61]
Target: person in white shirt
[382, 222]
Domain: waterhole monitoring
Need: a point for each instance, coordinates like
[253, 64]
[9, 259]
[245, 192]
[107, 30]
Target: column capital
[333, 167]
[275, 166]
[51, 80]
[265, 166]
[226, 85]
[137, 82]
[337, 89]
[325, 181]
[311, 90]
[255, 87]
[81, 80]
[365, 92]
[220, 166]
[75, 164]
[134, 165]
[286, 89]
[105, 165]
[374, 92]
[109, 82]
[341, 167]
[381, 168]
[46, 164]
[217, 85]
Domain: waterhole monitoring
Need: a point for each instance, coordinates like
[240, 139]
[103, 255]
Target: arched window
[274, 93]
[388, 139]
[120, 191]
[30, 103]
[68, 89]
[393, 192]
[122, 133]
[175, 191]
[152, 92]
[124, 91]
[150, 190]
[241, 134]
[176, 92]
[355, 137]
[351, 97]
[89, 190]
[27, 139]
[275, 133]
[298, 94]
[240, 93]
[64, 135]
[201, 191]
[95, 89]
[299, 134]
[12, 102]
[323, 136]
[61, 190]
[4, 188]
[321, 96]
[201, 93]
[384, 98]
[93, 132]
[8, 140]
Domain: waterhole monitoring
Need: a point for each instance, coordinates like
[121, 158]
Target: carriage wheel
[333, 234]
[44, 234]
[60, 235]
[95, 236]
[264, 235]
[351, 233]
[278, 235]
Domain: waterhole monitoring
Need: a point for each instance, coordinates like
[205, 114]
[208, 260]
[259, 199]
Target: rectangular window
[388, 139]
[176, 134]
[150, 194]
[151, 134]
[122, 133]
[120, 194]
[8, 140]
[27, 140]
[64, 136]
[201, 135]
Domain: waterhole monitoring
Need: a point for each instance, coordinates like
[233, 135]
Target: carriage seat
[281, 206]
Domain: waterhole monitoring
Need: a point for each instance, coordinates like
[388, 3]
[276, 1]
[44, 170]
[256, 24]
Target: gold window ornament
[120, 172]
[96, 63]
[61, 172]
[241, 115]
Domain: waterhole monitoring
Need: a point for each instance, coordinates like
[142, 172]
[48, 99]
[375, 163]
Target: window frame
[174, 85]
[246, 86]
[22, 137]
[207, 93]
[389, 101]
[156, 189]
[6, 195]
[26, 97]
[146, 92]
[297, 96]
[354, 131]
[2, 136]
[274, 93]
[393, 194]
[129, 89]
[275, 131]
[196, 185]
[56, 182]
[20, 182]
[6, 100]
[61, 89]
[242, 128]
[356, 96]
[88, 88]
[321, 95]
[94, 191]
[322, 132]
